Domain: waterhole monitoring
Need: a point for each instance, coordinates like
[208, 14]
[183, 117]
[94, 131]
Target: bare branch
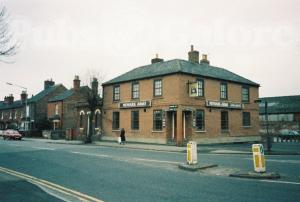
[8, 47]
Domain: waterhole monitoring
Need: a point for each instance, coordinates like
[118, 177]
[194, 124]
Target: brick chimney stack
[23, 96]
[193, 55]
[48, 84]
[9, 99]
[76, 83]
[204, 59]
[95, 86]
[156, 59]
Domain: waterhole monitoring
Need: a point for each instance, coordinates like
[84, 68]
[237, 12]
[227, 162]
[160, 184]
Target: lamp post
[267, 123]
[24, 88]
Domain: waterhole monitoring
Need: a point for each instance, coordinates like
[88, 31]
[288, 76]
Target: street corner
[256, 175]
[195, 167]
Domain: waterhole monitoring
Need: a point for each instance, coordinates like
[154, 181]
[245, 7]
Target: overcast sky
[257, 39]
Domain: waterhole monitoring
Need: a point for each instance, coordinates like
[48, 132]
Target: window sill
[247, 127]
[225, 131]
[116, 101]
[200, 98]
[200, 131]
[134, 131]
[115, 130]
[157, 131]
[246, 102]
[157, 97]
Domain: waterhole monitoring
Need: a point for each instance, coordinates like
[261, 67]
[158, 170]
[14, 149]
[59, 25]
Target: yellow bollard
[191, 153]
[259, 158]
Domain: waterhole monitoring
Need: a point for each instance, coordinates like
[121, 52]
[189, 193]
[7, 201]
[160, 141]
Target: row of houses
[55, 108]
[167, 102]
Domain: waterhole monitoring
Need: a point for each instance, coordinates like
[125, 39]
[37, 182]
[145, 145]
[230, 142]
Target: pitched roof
[43, 93]
[282, 104]
[15, 104]
[67, 93]
[180, 66]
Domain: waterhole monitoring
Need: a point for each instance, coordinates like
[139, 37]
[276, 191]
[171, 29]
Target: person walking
[122, 135]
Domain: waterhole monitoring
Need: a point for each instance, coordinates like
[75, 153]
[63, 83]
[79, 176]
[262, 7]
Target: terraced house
[62, 109]
[28, 114]
[174, 101]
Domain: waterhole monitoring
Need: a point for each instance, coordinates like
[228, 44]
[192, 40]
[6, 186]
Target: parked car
[11, 135]
[288, 132]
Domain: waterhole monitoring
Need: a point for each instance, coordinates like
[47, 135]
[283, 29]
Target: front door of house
[171, 126]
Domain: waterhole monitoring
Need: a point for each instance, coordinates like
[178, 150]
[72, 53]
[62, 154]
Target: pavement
[240, 148]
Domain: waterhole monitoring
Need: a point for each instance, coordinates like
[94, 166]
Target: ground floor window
[116, 120]
[200, 119]
[134, 120]
[157, 120]
[246, 119]
[224, 120]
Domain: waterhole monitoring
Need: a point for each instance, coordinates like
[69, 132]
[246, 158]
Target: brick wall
[175, 92]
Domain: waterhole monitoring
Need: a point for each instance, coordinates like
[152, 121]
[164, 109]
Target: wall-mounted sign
[138, 104]
[222, 104]
[193, 89]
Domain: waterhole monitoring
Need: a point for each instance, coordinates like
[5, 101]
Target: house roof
[282, 104]
[15, 104]
[180, 66]
[43, 93]
[67, 93]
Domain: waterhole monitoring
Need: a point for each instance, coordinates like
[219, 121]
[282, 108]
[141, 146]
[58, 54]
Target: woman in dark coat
[122, 135]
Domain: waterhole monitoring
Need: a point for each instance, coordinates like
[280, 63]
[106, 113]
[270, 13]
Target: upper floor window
[157, 87]
[56, 109]
[135, 90]
[200, 87]
[245, 94]
[116, 93]
[223, 91]
[157, 120]
[200, 119]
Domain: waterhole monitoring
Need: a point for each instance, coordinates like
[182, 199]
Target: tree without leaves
[93, 100]
[7, 46]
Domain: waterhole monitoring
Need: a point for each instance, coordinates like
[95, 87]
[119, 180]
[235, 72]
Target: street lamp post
[24, 88]
[268, 139]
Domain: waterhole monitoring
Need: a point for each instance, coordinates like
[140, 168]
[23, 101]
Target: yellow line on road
[50, 185]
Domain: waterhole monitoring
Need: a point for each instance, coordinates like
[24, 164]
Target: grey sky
[258, 39]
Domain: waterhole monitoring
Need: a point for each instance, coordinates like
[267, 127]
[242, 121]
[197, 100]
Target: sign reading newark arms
[142, 104]
[222, 104]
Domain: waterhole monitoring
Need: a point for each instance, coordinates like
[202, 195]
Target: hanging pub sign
[222, 104]
[193, 89]
[138, 104]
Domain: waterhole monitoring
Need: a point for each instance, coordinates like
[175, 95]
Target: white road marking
[281, 182]
[280, 161]
[157, 161]
[80, 196]
[88, 154]
[43, 148]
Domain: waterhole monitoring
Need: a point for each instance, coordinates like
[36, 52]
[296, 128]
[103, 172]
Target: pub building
[175, 101]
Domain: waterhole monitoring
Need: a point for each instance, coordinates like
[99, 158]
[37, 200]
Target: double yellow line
[50, 185]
